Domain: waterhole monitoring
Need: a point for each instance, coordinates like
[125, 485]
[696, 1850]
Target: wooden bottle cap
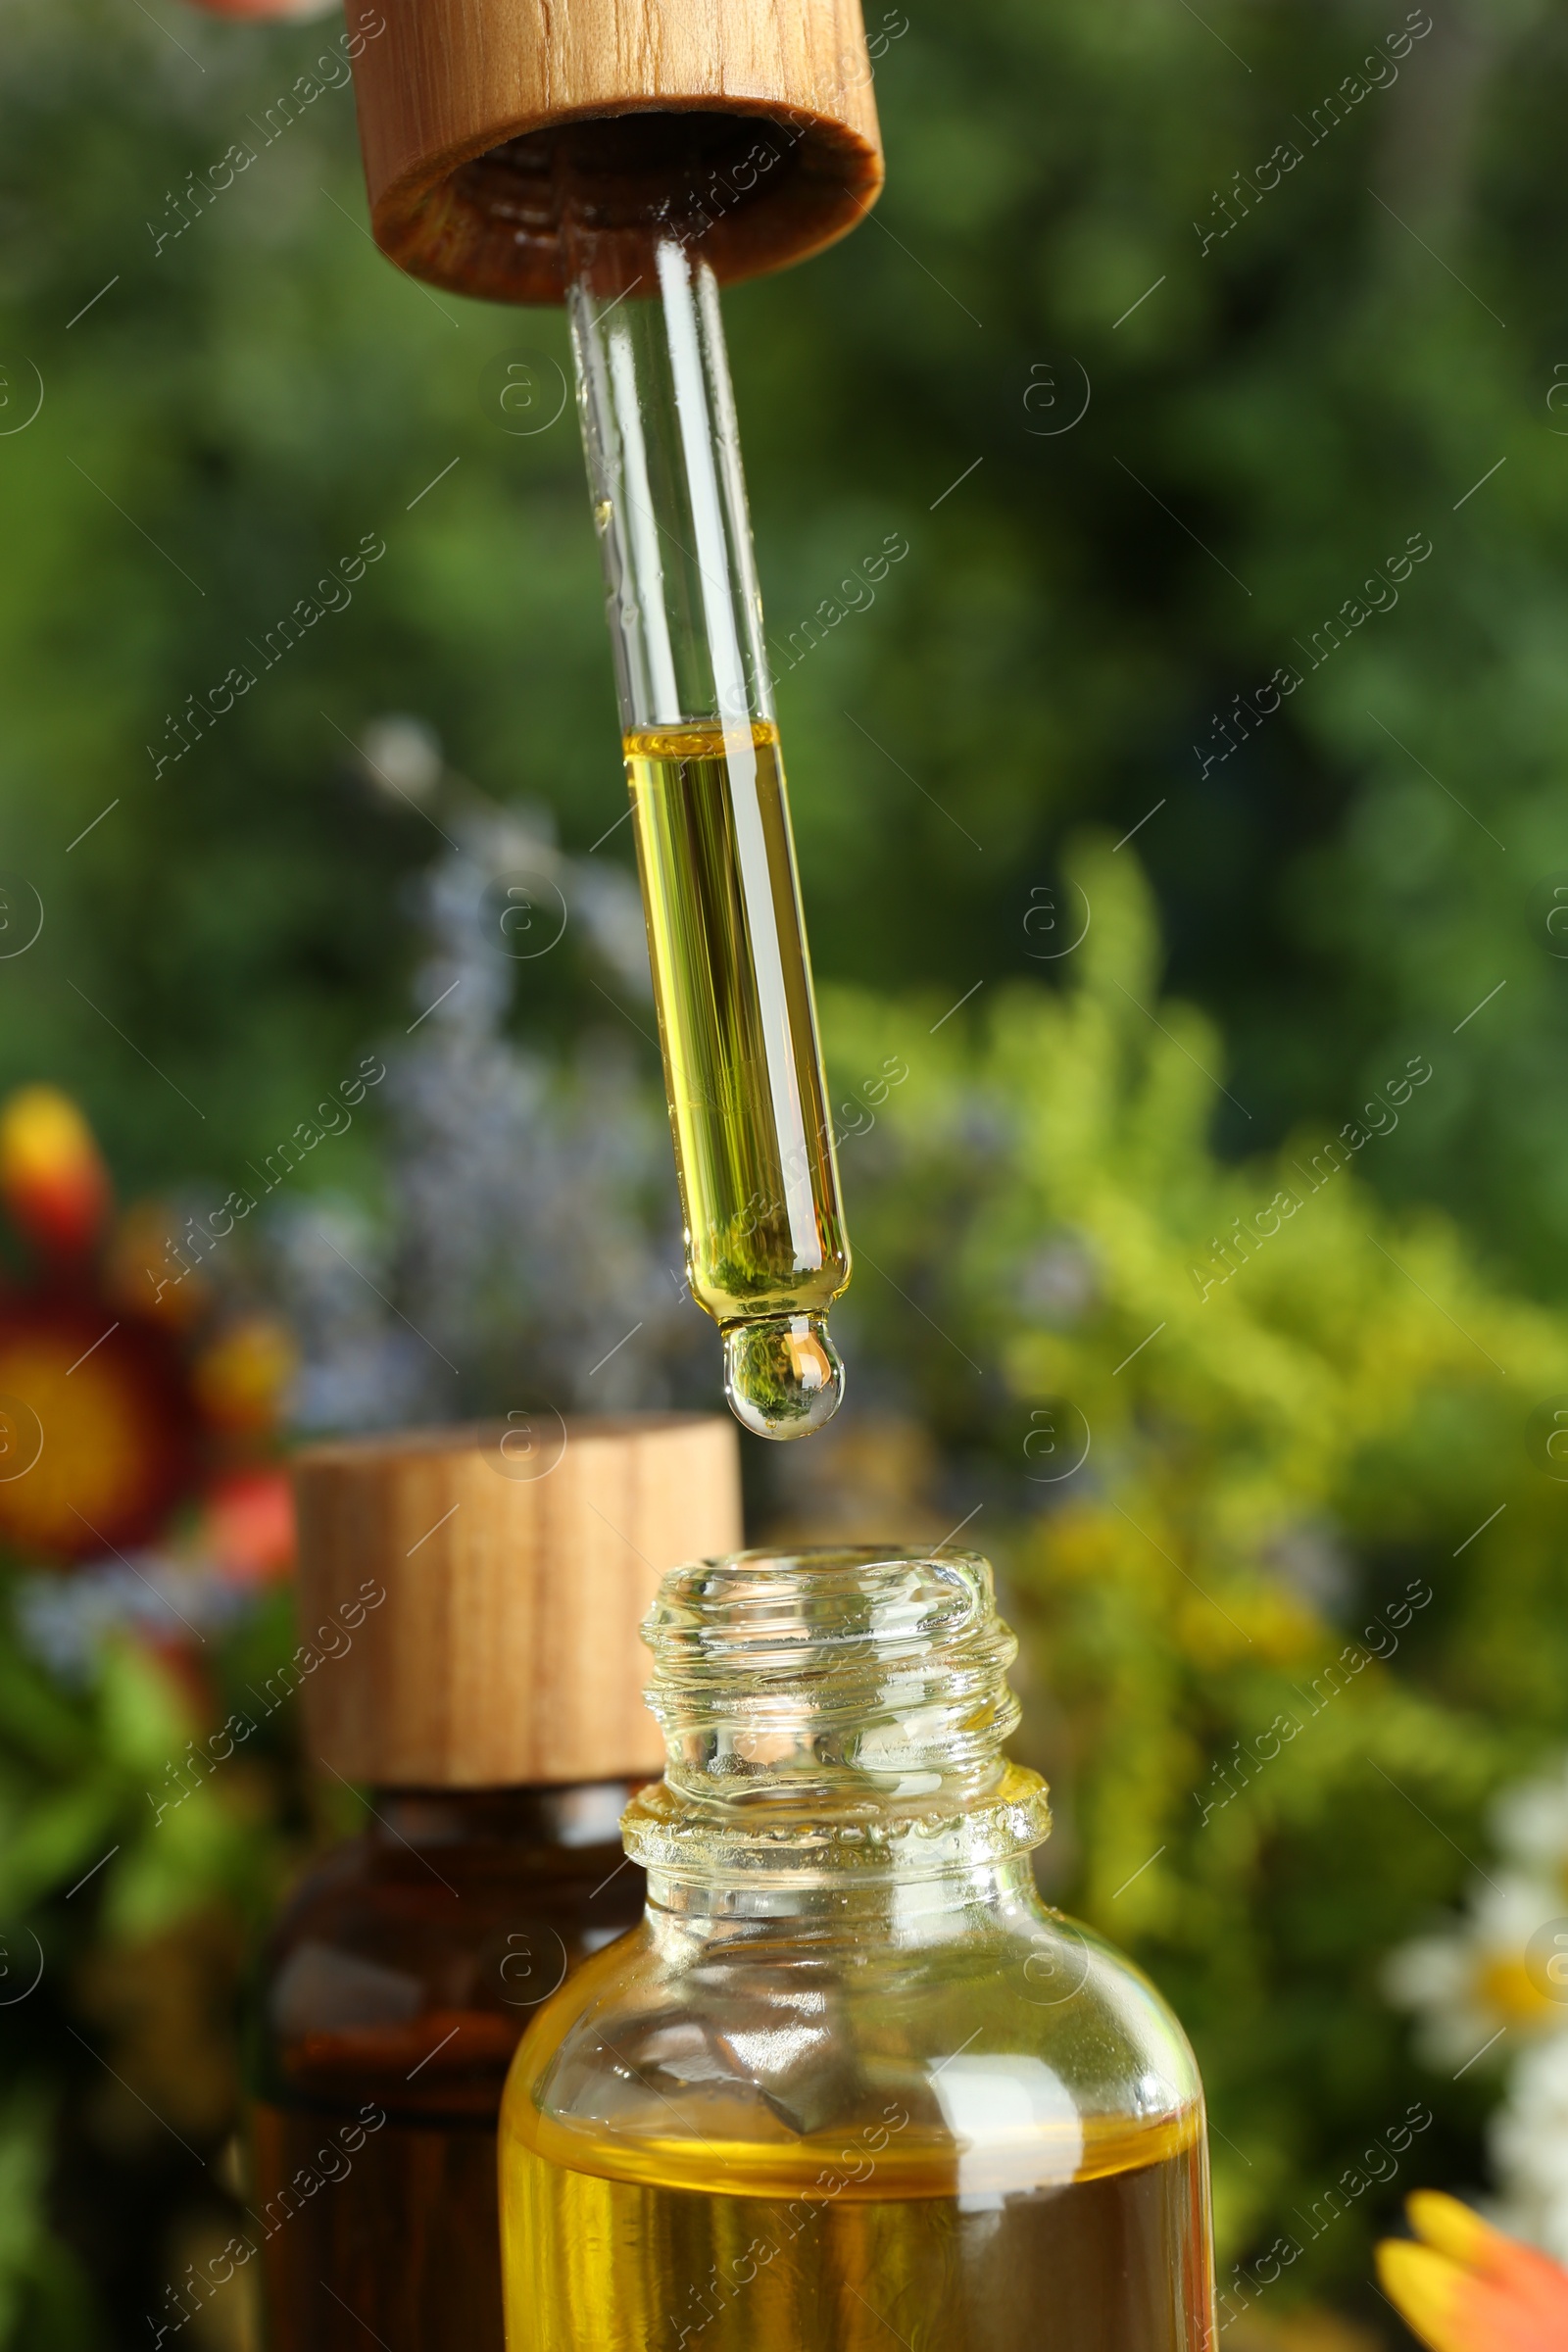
[515, 1566]
[749, 127]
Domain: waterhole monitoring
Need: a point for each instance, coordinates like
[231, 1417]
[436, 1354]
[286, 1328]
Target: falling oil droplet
[782, 1375]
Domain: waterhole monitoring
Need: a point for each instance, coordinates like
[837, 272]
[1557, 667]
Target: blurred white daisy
[1490, 1990]
[1472, 1985]
[1529, 2141]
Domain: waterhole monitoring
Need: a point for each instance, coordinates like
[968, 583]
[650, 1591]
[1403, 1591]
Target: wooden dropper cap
[749, 125]
[517, 1567]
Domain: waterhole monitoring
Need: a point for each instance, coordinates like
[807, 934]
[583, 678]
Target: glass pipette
[766, 1250]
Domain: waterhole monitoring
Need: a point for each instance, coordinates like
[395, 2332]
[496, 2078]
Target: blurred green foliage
[1364, 880]
[105, 1895]
[1282, 409]
[1292, 1584]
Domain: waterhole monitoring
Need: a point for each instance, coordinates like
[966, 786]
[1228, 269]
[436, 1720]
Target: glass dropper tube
[767, 1251]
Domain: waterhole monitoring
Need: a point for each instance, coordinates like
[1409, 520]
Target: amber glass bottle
[471, 1602]
[398, 1982]
[852, 2084]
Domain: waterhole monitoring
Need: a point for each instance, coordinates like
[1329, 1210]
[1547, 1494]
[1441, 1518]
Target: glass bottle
[852, 2083]
[470, 1603]
[395, 1987]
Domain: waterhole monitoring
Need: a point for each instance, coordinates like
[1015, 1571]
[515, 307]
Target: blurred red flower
[125, 1400]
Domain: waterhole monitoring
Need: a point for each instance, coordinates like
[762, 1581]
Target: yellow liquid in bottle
[851, 2243]
[766, 1252]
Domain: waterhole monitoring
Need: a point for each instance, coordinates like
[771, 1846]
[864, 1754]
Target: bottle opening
[833, 1709]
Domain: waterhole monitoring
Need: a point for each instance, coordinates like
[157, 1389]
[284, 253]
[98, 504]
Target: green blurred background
[1148, 417]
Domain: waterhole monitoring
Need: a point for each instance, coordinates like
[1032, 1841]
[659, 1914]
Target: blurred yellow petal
[1452, 2228]
[142, 1272]
[52, 1174]
[240, 1379]
[1469, 2288]
[1423, 2287]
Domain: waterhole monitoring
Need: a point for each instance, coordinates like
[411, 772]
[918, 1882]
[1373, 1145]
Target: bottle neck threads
[829, 1716]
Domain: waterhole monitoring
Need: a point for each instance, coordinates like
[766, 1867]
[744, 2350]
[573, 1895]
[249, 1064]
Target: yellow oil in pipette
[766, 1246]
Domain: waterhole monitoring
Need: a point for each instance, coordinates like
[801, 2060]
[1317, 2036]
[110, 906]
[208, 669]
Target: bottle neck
[832, 1720]
[576, 1814]
[893, 1910]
